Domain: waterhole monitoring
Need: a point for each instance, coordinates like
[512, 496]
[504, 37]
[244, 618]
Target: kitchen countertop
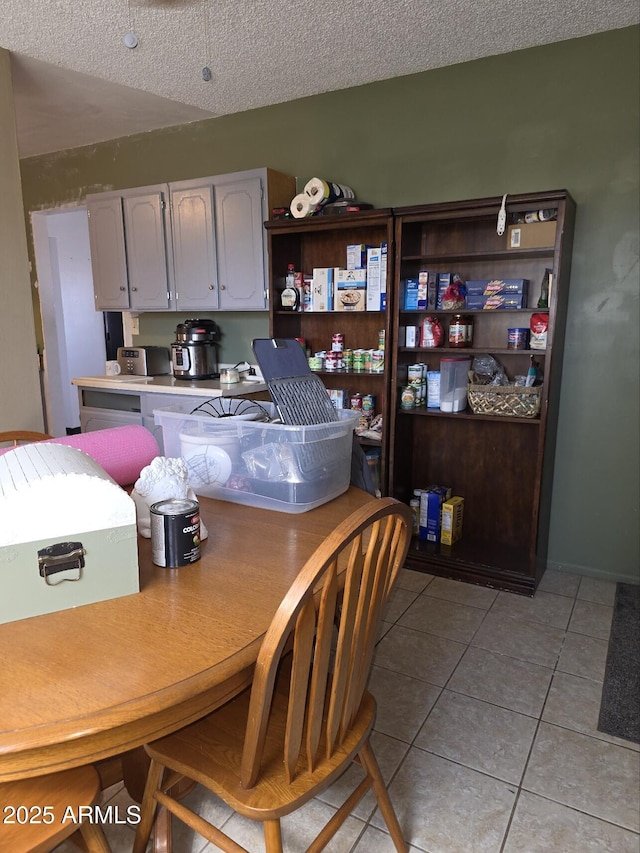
[170, 385]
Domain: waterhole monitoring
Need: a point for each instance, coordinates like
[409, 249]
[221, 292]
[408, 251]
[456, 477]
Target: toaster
[144, 361]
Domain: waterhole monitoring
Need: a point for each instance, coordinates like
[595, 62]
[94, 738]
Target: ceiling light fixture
[206, 70]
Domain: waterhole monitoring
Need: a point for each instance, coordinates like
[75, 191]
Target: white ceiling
[76, 83]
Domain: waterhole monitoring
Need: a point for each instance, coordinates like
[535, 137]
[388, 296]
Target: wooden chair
[38, 813]
[20, 436]
[308, 714]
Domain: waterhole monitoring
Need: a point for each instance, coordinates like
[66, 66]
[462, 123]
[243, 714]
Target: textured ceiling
[76, 83]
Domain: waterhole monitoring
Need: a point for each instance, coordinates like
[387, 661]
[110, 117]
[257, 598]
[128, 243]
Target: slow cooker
[194, 353]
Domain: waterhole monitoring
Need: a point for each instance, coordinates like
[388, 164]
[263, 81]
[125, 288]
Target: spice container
[461, 331]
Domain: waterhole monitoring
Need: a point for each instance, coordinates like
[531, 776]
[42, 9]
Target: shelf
[423, 411]
[465, 257]
[473, 560]
[484, 312]
[357, 373]
[328, 313]
[462, 350]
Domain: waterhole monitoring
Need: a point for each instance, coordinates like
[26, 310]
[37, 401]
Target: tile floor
[486, 731]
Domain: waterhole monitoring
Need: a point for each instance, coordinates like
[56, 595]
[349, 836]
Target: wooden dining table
[89, 683]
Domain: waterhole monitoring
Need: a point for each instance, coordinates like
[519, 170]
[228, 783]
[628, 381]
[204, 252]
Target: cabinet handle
[222, 287]
[122, 288]
[212, 287]
[134, 288]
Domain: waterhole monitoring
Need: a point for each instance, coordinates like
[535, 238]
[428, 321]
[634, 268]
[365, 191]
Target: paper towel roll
[324, 192]
[302, 206]
[120, 451]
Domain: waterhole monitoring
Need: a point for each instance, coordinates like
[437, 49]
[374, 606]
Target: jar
[461, 331]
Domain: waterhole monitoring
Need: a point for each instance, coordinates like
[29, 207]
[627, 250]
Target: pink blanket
[122, 451]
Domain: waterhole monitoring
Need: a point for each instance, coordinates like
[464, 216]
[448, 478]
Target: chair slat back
[19, 436]
[362, 556]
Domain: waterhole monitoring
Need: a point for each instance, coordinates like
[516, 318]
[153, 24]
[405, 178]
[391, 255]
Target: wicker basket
[506, 400]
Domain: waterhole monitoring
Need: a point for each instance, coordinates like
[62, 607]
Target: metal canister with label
[175, 532]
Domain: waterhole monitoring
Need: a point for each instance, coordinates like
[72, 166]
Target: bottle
[545, 287]
[290, 297]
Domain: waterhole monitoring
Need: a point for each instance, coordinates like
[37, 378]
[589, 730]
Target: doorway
[73, 331]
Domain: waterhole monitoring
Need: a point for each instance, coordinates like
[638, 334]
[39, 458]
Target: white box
[350, 290]
[55, 499]
[272, 466]
[322, 290]
[357, 256]
[373, 279]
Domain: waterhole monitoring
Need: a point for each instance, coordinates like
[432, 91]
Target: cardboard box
[350, 290]
[444, 280]
[537, 235]
[357, 256]
[451, 525]
[491, 286]
[411, 294]
[509, 301]
[373, 279]
[431, 501]
[322, 291]
[383, 276]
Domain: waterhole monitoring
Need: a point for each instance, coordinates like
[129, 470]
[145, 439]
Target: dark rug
[620, 703]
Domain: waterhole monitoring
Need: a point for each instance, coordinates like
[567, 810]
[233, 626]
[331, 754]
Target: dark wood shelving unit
[321, 241]
[502, 466]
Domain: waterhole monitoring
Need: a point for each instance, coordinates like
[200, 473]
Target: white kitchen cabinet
[148, 250]
[194, 248]
[204, 250]
[130, 249]
[108, 256]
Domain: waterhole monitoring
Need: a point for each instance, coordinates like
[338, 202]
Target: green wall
[559, 116]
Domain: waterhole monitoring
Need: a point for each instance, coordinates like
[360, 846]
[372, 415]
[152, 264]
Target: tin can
[337, 341]
[347, 359]
[358, 360]
[175, 532]
[517, 338]
[408, 397]
[377, 361]
[368, 360]
[414, 503]
[331, 360]
[381, 339]
[415, 373]
[369, 404]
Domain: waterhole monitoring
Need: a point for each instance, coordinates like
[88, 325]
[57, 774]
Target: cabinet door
[194, 249]
[240, 245]
[146, 245]
[108, 258]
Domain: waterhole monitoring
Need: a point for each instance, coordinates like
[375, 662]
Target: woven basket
[506, 400]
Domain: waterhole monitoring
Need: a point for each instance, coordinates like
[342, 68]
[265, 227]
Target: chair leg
[384, 803]
[272, 836]
[94, 838]
[149, 806]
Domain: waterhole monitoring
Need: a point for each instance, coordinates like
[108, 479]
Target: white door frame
[60, 358]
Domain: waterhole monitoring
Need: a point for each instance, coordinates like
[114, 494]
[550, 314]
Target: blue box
[411, 294]
[444, 280]
[431, 501]
[490, 286]
[508, 301]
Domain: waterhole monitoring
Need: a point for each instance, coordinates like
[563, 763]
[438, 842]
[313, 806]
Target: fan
[232, 407]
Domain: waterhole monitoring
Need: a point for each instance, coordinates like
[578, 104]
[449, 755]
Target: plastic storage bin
[271, 466]
[454, 380]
